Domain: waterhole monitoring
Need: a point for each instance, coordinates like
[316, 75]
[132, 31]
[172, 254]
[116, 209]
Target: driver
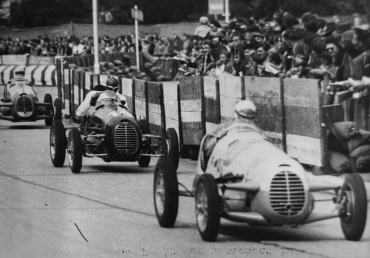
[18, 79]
[93, 96]
[245, 112]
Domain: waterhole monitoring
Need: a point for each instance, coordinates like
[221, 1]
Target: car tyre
[145, 129]
[58, 142]
[207, 207]
[165, 192]
[353, 214]
[48, 99]
[58, 109]
[172, 147]
[75, 150]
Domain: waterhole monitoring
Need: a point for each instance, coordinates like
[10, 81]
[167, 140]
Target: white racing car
[247, 179]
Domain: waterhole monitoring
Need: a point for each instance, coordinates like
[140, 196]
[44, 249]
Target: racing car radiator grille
[24, 104]
[287, 196]
[126, 139]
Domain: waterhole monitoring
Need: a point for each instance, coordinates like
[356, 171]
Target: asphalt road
[107, 211]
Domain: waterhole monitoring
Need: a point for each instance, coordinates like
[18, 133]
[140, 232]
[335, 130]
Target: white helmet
[246, 109]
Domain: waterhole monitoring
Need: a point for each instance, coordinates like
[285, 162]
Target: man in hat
[203, 30]
[341, 25]
[93, 96]
[326, 31]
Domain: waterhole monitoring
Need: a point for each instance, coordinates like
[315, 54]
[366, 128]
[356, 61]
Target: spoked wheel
[354, 211]
[49, 110]
[58, 144]
[58, 109]
[74, 150]
[166, 193]
[207, 208]
[172, 147]
[145, 129]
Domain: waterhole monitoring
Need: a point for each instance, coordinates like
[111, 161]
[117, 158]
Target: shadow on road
[116, 169]
[22, 127]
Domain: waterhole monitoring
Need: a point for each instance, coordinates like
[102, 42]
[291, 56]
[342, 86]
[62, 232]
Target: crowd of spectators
[279, 46]
[66, 46]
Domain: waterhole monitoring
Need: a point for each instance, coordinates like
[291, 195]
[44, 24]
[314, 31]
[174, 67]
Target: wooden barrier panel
[305, 137]
[212, 102]
[14, 60]
[231, 92]
[77, 91]
[141, 97]
[171, 107]
[41, 60]
[266, 94]
[126, 89]
[59, 73]
[67, 92]
[192, 109]
[156, 116]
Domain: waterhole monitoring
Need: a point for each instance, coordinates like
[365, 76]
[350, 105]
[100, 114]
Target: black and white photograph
[185, 128]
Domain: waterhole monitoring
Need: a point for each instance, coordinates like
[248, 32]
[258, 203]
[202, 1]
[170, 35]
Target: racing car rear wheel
[207, 208]
[145, 129]
[74, 150]
[354, 212]
[57, 144]
[48, 110]
[172, 147]
[166, 192]
[58, 109]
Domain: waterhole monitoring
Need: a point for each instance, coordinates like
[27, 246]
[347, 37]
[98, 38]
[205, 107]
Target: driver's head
[112, 84]
[19, 70]
[245, 109]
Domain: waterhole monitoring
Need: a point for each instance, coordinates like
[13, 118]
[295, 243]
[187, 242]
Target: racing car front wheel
[165, 193]
[172, 147]
[58, 143]
[354, 211]
[145, 129]
[49, 110]
[58, 109]
[74, 150]
[207, 207]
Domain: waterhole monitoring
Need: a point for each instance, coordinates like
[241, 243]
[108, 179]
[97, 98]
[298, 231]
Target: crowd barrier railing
[290, 111]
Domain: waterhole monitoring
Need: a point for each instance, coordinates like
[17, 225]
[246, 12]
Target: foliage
[31, 13]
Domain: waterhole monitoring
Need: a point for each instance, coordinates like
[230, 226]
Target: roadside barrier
[290, 111]
[39, 75]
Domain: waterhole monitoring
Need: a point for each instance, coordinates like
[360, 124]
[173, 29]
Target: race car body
[109, 131]
[245, 178]
[20, 103]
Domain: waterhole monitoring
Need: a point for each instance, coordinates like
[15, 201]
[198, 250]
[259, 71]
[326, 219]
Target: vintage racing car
[20, 103]
[110, 132]
[247, 179]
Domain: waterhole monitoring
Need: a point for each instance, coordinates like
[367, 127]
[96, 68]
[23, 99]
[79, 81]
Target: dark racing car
[112, 133]
[20, 103]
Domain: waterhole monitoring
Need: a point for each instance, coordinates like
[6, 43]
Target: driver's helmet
[112, 84]
[246, 109]
[21, 69]
[108, 99]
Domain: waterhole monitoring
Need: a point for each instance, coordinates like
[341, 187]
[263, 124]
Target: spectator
[203, 30]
